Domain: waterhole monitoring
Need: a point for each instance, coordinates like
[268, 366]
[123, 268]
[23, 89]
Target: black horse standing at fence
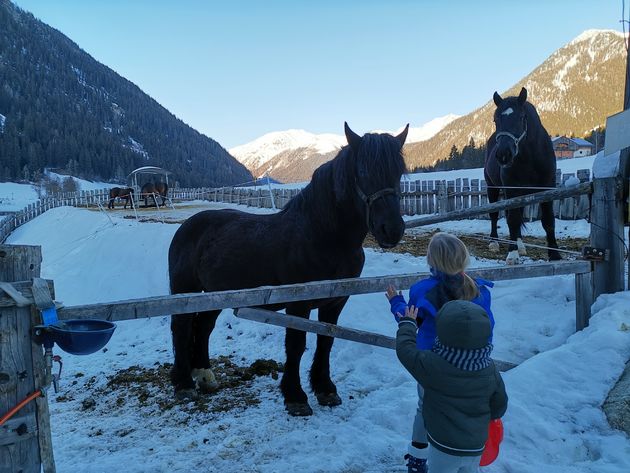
[122, 193]
[318, 235]
[520, 159]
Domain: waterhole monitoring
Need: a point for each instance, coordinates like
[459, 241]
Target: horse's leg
[322, 385]
[493, 196]
[549, 224]
[202, 328]
[183, 341]
[110, 204]
[514, 221]
[182, 329]
[295, 400]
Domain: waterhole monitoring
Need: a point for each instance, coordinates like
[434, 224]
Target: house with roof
[566, 147]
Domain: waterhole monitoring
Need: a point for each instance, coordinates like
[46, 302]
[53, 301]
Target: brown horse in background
[151, 189]
[120, 192]
[162, 189]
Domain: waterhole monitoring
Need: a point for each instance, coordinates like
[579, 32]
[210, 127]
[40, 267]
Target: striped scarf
[464, 359]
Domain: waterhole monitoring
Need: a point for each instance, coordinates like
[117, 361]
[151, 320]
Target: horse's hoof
[555, 256]
[206, 381]
[493, 246]
[186, 395]
[298, 409]
[522, 250]
[330, 400]
[512, 258]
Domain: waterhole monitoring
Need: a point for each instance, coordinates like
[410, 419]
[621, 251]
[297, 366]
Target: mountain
[293, 155]
[60, 108]
[574, 90]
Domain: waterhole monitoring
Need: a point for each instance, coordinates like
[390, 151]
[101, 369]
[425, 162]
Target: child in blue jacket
[447, 257]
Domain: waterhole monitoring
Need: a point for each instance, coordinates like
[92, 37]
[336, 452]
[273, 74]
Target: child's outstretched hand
[391, 292]
[411, 312]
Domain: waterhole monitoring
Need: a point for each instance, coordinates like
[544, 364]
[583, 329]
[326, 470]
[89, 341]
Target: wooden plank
[450, 196]
[465, 193]
[427, 197]
[417, 200]
[583, 299]
[607, 232]
[329, 330]
[189, 303]
[41, 294]
[18, 428]
[545, 196]
[18, 263]
[442, 197]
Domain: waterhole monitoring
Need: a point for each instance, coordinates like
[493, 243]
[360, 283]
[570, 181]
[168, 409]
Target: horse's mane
[333, 183]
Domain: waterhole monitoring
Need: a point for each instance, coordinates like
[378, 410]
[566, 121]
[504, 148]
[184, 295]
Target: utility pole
[625, 159]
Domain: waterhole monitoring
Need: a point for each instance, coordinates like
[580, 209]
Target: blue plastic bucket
[82, 336]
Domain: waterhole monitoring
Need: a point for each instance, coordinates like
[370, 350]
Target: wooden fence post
[607, 233]
[442, 197]
[25, 439]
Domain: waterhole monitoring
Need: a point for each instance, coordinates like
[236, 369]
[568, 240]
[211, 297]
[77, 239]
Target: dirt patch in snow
[416, 244]
[149, 389]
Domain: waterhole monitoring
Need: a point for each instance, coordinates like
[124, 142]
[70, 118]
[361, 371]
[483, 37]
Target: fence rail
[268, 295]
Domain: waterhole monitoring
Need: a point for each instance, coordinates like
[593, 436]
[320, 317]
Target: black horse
[520, 160]
[318, 235]
[122, 193]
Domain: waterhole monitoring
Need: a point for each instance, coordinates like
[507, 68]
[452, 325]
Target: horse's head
[378, 165]
[510, 119]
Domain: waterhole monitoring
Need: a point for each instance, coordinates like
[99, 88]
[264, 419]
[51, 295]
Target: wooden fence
[418, 198]
[421, 197]
[9, 221]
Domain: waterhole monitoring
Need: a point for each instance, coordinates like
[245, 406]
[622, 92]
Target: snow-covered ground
[554, 422]
[14, 197]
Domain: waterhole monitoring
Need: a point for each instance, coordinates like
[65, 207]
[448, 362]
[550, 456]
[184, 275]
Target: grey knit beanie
[463, 324]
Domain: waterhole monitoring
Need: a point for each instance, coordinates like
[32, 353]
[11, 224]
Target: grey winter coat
[458, 404]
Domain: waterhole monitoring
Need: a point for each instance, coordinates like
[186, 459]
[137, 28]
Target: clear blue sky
[235, 70]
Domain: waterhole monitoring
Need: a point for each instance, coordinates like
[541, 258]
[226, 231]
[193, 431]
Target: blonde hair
[448, 254]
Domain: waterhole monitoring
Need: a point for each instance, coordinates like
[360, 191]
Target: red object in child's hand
[495, 436]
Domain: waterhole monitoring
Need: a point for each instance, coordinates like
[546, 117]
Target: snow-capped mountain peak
[260, 151]
[293, 155]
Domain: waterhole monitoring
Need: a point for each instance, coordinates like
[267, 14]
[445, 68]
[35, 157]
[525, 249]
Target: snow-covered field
[554, 422]
[14, 197]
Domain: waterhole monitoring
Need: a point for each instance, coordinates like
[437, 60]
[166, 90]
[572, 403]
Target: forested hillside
[60, 108]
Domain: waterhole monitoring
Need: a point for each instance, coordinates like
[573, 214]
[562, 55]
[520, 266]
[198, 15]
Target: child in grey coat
[463, 389]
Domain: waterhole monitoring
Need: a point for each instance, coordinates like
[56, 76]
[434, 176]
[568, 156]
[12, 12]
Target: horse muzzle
[389, 234]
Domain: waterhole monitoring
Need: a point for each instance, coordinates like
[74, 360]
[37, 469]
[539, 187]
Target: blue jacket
[429, 295]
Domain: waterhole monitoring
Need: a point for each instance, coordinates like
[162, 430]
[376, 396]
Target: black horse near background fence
[520, 160]
[122, 193]
[318, 235]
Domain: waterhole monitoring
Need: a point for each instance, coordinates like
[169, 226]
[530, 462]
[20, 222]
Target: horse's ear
[522, 97]
[497, 99]
[403, 135]
[354, 140]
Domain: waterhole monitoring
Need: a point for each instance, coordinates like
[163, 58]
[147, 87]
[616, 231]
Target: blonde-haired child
[448, 258]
